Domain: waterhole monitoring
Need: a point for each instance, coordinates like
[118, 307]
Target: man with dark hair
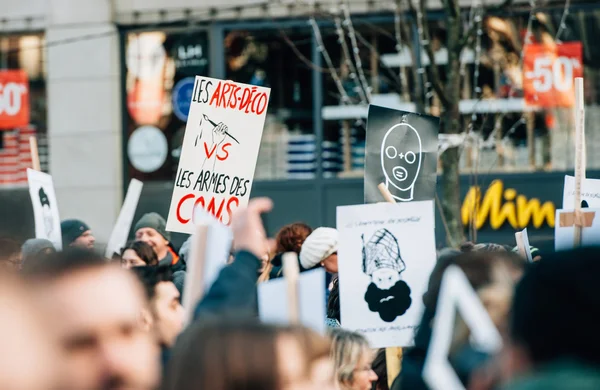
[10, 255]
[164, 314]
[77, 233]
[93, 309]
[553, 330]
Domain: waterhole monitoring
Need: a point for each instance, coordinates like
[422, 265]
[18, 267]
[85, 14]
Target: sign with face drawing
[386, 253]
[402, 154]
[219, 151]
[45, 209]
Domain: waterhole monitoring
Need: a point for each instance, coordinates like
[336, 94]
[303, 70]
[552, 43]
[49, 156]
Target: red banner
[14, 99]
[549, 71]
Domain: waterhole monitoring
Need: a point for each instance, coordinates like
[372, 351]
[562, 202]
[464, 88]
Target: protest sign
[273, 300]
[219, 151]
[401, 153]
[209, 252]
[590, 193]
[456, 294]
[118, 237]
[522, 239]
[45, 208]
[566, 224]
[386, 254]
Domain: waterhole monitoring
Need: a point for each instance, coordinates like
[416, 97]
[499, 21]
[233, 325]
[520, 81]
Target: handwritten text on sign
[219, 152]
[549, 71]
[14, 99]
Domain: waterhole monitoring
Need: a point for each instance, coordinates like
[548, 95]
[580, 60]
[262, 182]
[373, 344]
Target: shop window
[278, 59]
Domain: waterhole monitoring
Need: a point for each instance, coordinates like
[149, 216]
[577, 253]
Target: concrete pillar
[84, 111]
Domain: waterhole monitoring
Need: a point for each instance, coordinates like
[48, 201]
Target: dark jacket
[564, 375]
[234, 290]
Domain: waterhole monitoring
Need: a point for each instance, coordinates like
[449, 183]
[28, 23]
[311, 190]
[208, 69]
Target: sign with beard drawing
[45, 209]
[402, 154]
[219, 151]
[386, 254]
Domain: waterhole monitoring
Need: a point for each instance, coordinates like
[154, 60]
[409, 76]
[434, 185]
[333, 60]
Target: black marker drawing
[387, 293]
[46, 212]
[401, 159]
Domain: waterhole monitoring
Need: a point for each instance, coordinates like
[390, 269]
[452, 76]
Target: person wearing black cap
[77, 233]
[152, 229]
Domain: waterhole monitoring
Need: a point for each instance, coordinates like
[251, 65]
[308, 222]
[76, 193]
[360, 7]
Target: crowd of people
[73, 319]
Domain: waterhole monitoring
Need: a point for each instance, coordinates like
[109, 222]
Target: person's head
[320, 248]
[94, 309]
[151, 229]
[291, 237]
[164, 316]
[10, 255]
[228, 355]
[76, 233]
[554, 312]
[352, 357]
[29, 358]
[380, 368]
[35, 247]
[138, 254]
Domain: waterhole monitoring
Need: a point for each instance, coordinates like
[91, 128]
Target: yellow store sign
[499, 206]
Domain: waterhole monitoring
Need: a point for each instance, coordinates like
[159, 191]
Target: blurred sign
[190, 54]
[14, 99]
[182, 97]
[549, 71]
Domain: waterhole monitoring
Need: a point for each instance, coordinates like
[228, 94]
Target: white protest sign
[209, 252]
[386, 254]
[564, 229]
[219, 151]
[590, 192]
[118, 237]
[522, 239]
[45, 208]
[456, 293]
[273, 304]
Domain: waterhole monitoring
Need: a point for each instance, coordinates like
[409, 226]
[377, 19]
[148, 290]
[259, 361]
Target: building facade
[109, 93]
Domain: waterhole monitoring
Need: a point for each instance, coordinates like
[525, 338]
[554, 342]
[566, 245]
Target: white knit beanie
[321, 243]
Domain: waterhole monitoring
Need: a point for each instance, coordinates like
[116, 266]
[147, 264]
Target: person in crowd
[29, 358]
[35, 247]
[320, 249]
[492, 275]
[164, 315]
[152, 229]
[536, 254]
[138, 254]
[76, 233]
[380, 369]
[230, 355]
[93, 309]
[554, 340]
[353, 360]
[234, 290]
[333, 306]
[291, 237]
[10, 255]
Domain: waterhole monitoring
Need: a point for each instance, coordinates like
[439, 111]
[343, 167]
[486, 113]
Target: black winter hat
[71, 230]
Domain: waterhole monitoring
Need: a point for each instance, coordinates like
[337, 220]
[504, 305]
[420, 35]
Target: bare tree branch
[434, 72]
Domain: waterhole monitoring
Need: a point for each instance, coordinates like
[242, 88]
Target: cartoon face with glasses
[401, 160]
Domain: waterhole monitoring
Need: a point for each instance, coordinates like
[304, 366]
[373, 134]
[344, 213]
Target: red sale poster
[14, 99]
[549, 71]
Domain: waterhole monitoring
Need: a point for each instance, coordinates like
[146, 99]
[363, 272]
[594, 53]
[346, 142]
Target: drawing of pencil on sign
[386, 254]
[402, 154]
[219, 151]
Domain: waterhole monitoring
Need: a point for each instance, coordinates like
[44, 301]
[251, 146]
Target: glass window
[279, 59]
[160, 71]
[23, 52]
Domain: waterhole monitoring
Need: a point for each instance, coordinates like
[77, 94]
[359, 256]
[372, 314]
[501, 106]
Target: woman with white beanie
[320, 249]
